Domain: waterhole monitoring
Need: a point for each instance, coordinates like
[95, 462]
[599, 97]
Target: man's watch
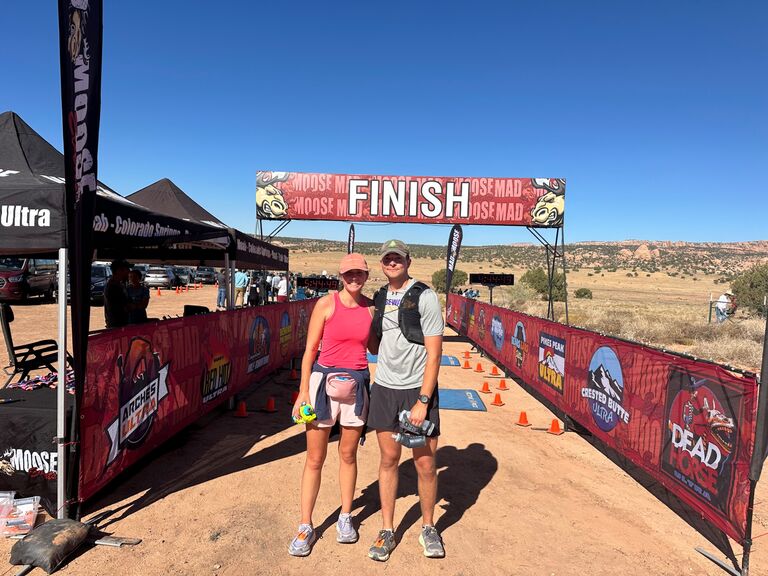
[423, 398]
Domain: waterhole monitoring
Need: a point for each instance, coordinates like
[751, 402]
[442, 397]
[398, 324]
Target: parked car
[100, 275]
[143, 268]
[183, 274]
[24, 277]
[161, 277]
[206, 275]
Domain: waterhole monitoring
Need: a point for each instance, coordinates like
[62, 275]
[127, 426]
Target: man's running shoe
[301, 545]
[431, 542]
[383, 546]
[345, 530]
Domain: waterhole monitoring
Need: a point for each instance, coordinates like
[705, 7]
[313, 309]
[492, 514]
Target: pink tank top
[345, 336]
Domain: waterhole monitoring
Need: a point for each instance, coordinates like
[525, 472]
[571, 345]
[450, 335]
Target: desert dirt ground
[223, 498]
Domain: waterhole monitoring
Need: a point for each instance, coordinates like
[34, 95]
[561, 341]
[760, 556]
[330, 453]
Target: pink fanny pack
[340, 386]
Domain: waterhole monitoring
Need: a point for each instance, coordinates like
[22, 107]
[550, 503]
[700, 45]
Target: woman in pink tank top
[336, 386]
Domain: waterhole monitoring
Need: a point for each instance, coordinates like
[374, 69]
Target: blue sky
[654, 112]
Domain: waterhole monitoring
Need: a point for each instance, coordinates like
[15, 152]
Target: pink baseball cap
[353, 261]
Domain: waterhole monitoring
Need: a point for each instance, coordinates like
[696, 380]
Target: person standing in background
[725, 306]
[138, 298]
[268, 287]
[283, 290]
[115, 295]
[221, 295]
[241, 285]
[275, 285]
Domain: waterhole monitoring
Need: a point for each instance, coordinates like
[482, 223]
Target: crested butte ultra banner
[80, 39]
[533, 202]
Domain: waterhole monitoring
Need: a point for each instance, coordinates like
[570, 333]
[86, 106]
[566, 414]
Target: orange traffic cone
[177, 289]
[242, 410]
[270, 407]
[485, 389]
[503, 384]
[158, 292]
[466, 365]
[294, 397]
[523, 420]
[186, 288]
[497, 401]
[294, 374]
[479, 368]
[554, 428]
[466, 353]
[495, 371]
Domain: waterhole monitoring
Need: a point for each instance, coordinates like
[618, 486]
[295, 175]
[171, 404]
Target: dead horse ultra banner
[536, 202]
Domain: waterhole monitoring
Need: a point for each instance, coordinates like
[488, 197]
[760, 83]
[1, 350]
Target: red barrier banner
[687, 423]
[535, 202]
[145, 383]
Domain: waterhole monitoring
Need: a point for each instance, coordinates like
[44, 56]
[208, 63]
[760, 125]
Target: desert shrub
[751, 287]
[583, 293]
[438, 279]
[536, 278]
[520, 294]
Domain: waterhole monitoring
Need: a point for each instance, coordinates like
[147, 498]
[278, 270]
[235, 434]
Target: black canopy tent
[33, 223]
[248, 251]
[33, 209]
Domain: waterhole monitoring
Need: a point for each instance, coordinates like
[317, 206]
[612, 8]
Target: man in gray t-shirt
[405, 379]
[401, 363]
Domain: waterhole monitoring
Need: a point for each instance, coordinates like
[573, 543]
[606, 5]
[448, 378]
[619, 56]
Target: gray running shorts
[387, 403]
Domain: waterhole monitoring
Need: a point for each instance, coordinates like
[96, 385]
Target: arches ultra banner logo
[535, 202]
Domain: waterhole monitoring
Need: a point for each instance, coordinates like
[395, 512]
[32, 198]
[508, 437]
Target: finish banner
[688, 424]
[534, 202]
[147, 382]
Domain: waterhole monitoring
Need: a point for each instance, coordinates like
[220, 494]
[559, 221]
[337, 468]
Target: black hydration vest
[408, 316]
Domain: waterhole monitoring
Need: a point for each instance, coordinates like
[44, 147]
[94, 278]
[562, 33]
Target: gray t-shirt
[401, 363]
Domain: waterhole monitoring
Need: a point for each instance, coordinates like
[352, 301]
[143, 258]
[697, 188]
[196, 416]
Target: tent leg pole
[232, 266]
[565, 275]
[226, 282]
[61, 390]
[747, 544]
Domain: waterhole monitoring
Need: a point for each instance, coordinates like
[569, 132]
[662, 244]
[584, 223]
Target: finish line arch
[537, 204]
